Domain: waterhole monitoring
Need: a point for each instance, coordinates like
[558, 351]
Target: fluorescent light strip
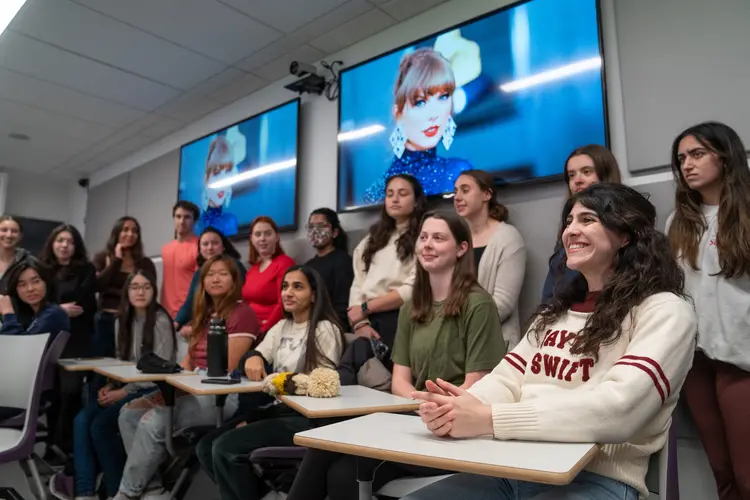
[8, 10]
[253, 173]
[360, 133]
[553, 74]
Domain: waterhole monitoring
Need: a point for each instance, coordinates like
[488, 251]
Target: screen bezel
[536, 180]
[243, 231]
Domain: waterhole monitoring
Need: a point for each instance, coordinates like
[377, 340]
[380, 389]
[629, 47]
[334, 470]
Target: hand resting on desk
[451, 411]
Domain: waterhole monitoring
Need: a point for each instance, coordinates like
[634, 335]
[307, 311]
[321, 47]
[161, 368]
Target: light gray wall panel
[106, 203]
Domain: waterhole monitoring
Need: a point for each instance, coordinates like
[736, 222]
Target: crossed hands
[448, 410]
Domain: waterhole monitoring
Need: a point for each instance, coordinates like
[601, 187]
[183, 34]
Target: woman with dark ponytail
[499, 250]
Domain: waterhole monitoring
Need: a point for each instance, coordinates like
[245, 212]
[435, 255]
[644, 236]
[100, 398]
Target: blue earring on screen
[398, 141]
[450, 131]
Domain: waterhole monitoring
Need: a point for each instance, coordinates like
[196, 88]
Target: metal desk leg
[168, 392]
[365, 474]
[220, 400]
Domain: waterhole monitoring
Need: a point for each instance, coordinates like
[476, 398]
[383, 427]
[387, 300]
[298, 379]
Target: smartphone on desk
[220, 381]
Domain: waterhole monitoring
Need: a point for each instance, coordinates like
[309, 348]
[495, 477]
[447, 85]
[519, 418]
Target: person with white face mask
[220, 166]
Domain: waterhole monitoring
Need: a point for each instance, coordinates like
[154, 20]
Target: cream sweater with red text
[623, 400]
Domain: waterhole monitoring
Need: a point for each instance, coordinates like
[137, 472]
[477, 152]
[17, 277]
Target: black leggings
[335, 475]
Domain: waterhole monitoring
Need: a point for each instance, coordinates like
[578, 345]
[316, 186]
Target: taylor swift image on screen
[220, 165]
[423, 112]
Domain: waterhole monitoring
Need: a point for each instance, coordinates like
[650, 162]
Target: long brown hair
[462, 281]
[605, 164]
[136, 251]
[254, 256]
[204, 306]
[126, 315]
[381, 231]
[643, 267]
[688, 225]
[320, 310]
[484, 180]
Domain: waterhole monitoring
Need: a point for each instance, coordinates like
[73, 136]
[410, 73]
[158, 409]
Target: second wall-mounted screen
[512, 93]
[244, 170]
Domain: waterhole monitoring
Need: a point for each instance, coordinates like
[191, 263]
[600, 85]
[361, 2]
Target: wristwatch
[365, 309]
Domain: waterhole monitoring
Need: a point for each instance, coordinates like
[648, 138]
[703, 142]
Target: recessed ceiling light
[19, 137]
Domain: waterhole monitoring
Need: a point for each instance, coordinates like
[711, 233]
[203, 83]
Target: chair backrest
[22, 363]
[661, 477]
[51, 356]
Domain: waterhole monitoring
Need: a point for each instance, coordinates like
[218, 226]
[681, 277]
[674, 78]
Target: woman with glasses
[332, 259]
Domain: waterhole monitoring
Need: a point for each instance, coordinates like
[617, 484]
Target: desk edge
[450, 464]
[218, 390]
[348, 412]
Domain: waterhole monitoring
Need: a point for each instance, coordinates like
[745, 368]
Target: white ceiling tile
[280, 67]
[62, 100]
[285, 15]
[40, 124]
[206, 27]
[404, 9]
[269, 53]
[29, 156]
[188, 108]
[88, 33]
[237, 89]
[34, 58]
[327, 22]
[124, 148]
[162, 127]
[355, 30]
[217, 81]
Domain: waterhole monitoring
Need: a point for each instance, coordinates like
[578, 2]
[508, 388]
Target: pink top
[179, 263]
[241, 323]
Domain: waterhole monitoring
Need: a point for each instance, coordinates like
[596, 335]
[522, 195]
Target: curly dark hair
[643, 267]
[381, 231]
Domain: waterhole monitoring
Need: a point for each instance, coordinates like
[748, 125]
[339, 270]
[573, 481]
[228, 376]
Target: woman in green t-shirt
[449, 329]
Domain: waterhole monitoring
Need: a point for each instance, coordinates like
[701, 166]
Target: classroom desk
[88, 364]
[353, 401]
[405, 439]
[195, 386]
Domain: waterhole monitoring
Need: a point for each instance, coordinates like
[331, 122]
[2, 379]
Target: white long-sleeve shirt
[623, 400]
[723, 305]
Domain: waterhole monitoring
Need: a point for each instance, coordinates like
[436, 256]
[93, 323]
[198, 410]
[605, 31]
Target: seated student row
[714, 145]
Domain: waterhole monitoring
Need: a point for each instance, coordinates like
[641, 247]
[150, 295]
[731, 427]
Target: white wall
[43, 197]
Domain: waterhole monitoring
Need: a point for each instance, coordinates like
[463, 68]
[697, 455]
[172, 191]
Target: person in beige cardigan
[499, 250]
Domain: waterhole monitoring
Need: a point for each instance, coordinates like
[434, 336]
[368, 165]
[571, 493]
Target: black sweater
[78, 284]
[338, 274]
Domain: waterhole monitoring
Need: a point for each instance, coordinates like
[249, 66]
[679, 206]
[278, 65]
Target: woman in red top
[268, 263]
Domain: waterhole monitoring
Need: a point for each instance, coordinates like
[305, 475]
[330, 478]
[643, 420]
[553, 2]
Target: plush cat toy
[320, 383]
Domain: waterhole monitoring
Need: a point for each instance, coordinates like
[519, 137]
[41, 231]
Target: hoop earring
[450, 131]
[398, 141]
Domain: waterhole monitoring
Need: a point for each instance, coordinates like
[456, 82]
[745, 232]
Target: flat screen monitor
[244, 170]
[512, 93]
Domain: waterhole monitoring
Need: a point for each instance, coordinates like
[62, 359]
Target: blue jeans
[586, 486]
[103, 340]
[96, 441]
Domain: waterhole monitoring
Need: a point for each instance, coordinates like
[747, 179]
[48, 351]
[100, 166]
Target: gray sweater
[164, 345]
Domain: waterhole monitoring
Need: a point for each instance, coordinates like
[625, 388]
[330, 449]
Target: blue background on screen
[516, 136]
[270, 138]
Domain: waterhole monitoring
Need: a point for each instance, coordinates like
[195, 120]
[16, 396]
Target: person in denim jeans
[144, 327]
[603, 362]
[143, 421]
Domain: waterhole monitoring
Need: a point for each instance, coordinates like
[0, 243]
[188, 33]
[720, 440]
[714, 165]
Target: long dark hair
[136, 251]
[605, 164]
[643, 267]
[484, 180]
[381, 231]
[341, 240]
[462, 281]
[688, 225]
[126, 315]
[80, 256]
[24, 312]
[225, 242]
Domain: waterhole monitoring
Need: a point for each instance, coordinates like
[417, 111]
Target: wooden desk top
[353, 400]
[129, 373]
[405, 439]
[195, 385]
[88, 364]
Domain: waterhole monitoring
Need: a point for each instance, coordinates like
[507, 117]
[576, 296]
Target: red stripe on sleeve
[648, 372]
[656, 366]
[514, 364]
[518, 358]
